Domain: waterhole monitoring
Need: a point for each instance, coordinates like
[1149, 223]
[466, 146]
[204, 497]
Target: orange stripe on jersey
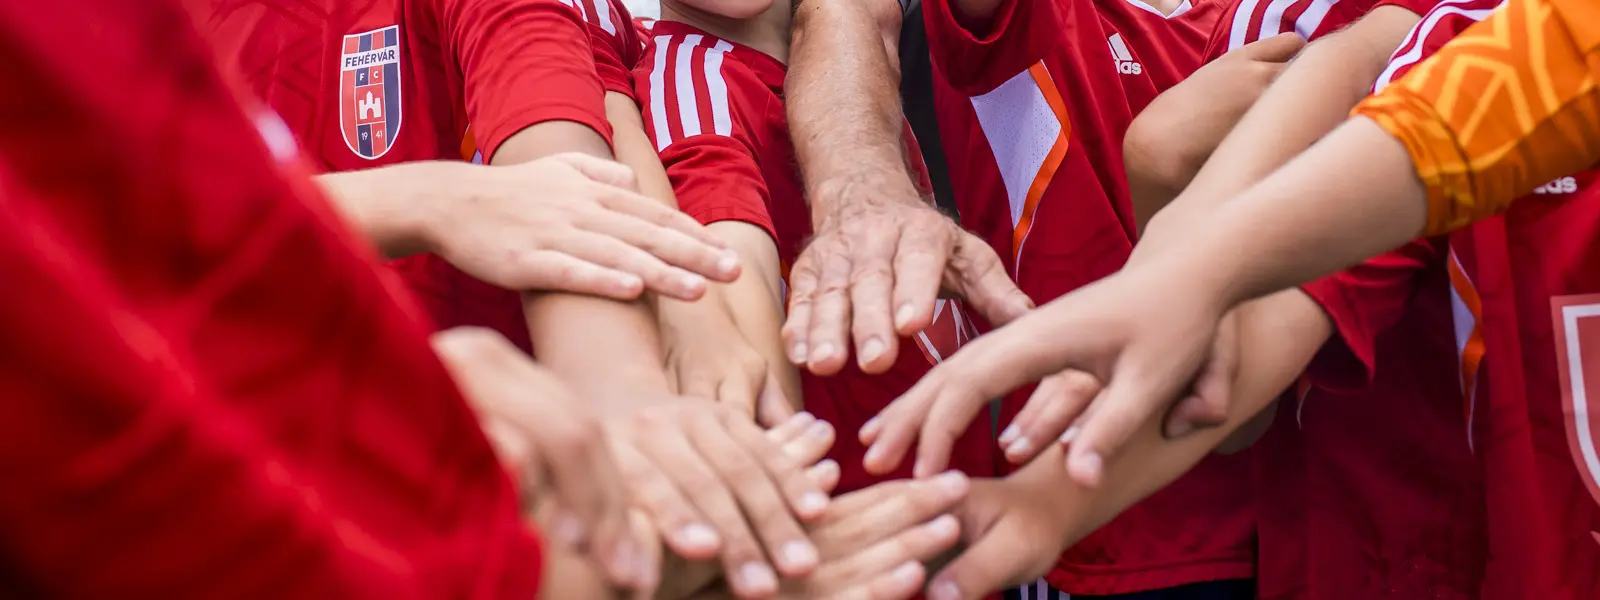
[1509, 104]
[1052, 161]
[1473, 348]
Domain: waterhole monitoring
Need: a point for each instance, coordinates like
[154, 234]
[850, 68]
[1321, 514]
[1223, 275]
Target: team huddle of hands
[678, 496]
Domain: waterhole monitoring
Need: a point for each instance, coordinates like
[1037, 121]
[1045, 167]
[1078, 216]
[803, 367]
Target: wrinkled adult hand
[715, 485]
[871, 274]
[548, 443]
[574, 223]
[1124, 331]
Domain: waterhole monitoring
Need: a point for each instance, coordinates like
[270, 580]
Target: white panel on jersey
[1020, 128]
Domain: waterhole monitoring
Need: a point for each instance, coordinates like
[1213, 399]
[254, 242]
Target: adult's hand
[1124, 331]
[872, 274]
[573, 223]
[549, 444]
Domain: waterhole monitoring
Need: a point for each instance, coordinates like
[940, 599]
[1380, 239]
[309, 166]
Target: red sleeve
[1437, 27]
[1247, 21]
[523, 62]
[1362, 303]
[714, 170]
[977, 58]
[615, 41]
[181, 418]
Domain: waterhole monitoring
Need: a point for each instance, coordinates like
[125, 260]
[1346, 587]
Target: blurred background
[644, 8]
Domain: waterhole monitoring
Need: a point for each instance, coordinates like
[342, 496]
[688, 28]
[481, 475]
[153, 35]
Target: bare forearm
[756, 299]
[844, 103]
[1312, 97]
[390, 204]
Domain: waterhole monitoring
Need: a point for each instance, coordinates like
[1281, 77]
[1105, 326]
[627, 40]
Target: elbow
[1158, 167]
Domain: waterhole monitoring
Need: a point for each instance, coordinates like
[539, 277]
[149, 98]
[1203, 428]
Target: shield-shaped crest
[369, 91]
[1577, 337]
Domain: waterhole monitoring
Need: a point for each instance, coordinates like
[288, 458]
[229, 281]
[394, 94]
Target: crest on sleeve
[369, 91]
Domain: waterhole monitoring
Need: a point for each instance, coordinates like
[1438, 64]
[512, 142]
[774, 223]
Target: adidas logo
[1119, 52]
[1561, 185]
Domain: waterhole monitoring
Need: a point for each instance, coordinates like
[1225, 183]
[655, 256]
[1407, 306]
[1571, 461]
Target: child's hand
[1012, 536]
[708, 356]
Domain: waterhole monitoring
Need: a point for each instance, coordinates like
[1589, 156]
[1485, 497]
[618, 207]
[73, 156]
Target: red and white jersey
[714, 109]
[372, 83]
[615, 40]
[1246, 21]
[1032, 113]
[1152, 51]
[210, 389]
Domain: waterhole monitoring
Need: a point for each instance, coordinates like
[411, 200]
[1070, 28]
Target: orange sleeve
[1507, 105]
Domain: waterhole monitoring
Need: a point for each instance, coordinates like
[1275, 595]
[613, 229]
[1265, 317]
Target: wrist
[433, 189]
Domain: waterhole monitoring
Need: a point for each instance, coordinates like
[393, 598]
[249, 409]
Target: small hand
[1011, 537]
[881, 259]
[714, 483]
[536, 428]
[574, 223]
[1122, 326]
[708, 356]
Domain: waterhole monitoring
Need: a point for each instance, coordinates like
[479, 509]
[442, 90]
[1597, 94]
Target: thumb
[992, 563]
[600, 170]
[1278, 48]
[772, 405]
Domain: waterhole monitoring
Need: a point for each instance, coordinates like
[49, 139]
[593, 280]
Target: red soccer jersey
[1367, 484]
[365, 84]
[1152, 51]
[1246, 21]
[182, 418]
[1032, 114]
[714, 109]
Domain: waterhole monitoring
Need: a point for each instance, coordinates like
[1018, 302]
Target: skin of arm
[596, 345]
[754, 300]
[844, 103]
[383, 203]
[1312, 97]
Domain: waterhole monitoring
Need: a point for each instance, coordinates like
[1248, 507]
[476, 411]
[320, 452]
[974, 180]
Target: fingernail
[802, 418]
[903, 316]
[874, 455]
[797, 353]
[568, 529]
[728, 262]
[951, 481]
[698, 536]
[798, 556]
[823, 352]
[1021, 447]
[812, 503]
[628, 283]
[758, 578]
[691, 281]
[820, 430]
[1010, 434]
[907, 574]
[626, 558]
[944, 525]
[944, 590]
[871, 350]
[827, 466]
[1086, 467]
[870, 428]
[1180, 428]
[1070, 434]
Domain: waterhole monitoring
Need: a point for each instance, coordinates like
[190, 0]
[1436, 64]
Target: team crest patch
[369, 91]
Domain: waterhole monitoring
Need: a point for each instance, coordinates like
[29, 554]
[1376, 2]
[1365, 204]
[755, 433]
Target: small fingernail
[871, 426]
[871, 350]
[944, 525]
[903, 316]
[1086, 466]
[691, 281]
[1021, 447]
[803, 418]
[1180, 428]
[626, 558]
[568, 529]
[812, 503]
[798, 556]
[758, 578]
[1070, 434]
[1010, 434]
[952, 481]
[823, 352]
[629, 283]
[907, 574]
[874, 454]
[698, 535]
[944, 590]
[728, 263]
[820, 430]
[827, 466]
[797, 353]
